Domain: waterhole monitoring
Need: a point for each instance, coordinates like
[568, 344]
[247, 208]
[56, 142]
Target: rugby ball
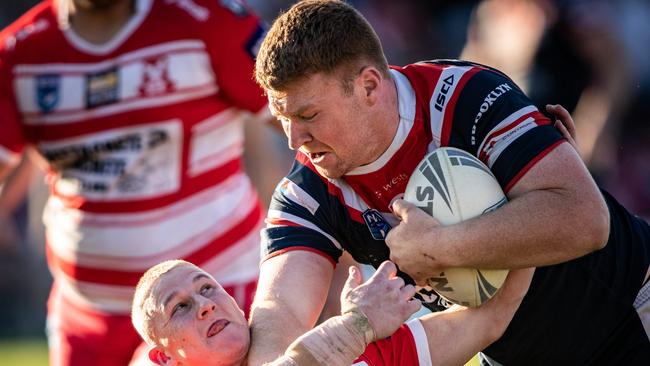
[452, 186]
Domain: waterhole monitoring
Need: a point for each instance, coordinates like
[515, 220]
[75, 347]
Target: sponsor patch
[102, 88]
[47, 91]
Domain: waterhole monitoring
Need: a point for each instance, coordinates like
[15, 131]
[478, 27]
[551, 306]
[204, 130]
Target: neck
[99, 21]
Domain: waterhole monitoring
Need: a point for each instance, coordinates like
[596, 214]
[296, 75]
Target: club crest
[376, 223]
[47, 91]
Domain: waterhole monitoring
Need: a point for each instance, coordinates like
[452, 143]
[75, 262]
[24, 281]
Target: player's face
[332, 127]
[200, 324]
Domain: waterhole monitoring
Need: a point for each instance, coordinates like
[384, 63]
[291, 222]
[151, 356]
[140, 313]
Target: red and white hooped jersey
[407, 346]
[144, 137]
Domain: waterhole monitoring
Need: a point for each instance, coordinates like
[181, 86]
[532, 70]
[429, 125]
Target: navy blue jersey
[571, 310]
[441, 103]
[586, 311]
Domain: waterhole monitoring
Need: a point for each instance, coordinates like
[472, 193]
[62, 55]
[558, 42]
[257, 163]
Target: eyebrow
[173, 294]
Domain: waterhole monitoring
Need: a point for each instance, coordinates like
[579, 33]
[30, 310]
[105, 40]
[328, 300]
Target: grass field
[33, 352]
[28, 352]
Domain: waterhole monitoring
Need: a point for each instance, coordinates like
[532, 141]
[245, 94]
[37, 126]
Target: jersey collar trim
[142, 8]
[406, 106]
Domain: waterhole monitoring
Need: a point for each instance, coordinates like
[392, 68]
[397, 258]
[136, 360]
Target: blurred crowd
[588, 55]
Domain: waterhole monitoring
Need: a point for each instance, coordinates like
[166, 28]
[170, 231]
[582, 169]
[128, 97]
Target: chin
[330, 173]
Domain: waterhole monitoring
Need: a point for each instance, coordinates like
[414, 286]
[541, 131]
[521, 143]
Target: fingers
[354, 279]
[560, 126]
[400, 207]
[386, 270]
[413, 306]
[407, 292]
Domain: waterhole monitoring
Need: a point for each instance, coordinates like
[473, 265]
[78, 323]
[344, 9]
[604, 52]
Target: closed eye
[308, 117]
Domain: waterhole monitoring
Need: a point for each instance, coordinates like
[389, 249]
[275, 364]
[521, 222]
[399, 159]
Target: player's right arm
[290, 295]
[457, 334]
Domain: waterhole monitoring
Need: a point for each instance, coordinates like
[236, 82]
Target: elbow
[595, 228]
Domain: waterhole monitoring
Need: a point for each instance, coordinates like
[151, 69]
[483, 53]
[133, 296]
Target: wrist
[356, 321]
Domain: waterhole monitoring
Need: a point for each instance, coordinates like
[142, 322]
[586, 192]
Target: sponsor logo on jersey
[102, 88]
[376, 223]
[155, 78]
[487, 103]
[441, 97]
[47, 91]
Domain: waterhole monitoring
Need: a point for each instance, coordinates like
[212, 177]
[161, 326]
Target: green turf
[28, 352]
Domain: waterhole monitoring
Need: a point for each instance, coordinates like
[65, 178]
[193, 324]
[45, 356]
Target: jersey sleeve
[298, 219]
[12, 139]
[407, 346]
[234, 35]
[498, 123]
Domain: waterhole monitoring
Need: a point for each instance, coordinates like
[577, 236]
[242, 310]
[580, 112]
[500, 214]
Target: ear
[371, 80]
[159, 357]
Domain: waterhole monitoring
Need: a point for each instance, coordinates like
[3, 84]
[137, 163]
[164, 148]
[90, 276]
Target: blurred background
[591, 56]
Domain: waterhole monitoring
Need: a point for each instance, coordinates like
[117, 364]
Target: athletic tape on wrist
[363, 324]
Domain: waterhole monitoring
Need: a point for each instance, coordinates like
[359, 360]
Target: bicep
[561, 171]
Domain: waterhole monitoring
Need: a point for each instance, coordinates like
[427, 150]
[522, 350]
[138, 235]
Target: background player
[185, 315]
[137, 108]
[361, 128]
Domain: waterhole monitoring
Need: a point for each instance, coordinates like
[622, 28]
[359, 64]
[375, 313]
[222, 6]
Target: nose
[297, 134]
[206, 307]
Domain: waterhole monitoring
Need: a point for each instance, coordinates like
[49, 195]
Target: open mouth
[314, 157]
[217, 327]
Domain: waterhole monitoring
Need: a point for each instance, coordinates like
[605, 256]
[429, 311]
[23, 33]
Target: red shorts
[80, 336]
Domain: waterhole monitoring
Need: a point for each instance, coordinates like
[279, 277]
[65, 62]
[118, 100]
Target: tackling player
[188, 319]
[361, 127]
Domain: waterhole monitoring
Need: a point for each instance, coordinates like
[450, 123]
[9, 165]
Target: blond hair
[143, 308]
[315, 36]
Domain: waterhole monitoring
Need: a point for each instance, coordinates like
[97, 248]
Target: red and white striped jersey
[144, 139]
[407, 346]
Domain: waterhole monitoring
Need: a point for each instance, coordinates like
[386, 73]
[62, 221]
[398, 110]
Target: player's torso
[144, 149]
[133, 119]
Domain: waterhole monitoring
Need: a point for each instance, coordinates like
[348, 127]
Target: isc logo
[441, 97]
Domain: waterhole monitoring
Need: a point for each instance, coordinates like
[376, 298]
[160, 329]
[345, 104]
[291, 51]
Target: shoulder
[31, 27]
[303, 186]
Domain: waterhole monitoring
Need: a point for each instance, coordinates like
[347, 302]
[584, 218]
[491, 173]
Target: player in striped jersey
[361, 128]
[187, 319]
[138, 108]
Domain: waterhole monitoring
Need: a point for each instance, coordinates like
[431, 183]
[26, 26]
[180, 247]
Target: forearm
[555, 213]
[290, 295]
[458, 333]
[336, 342]
[272, 331]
